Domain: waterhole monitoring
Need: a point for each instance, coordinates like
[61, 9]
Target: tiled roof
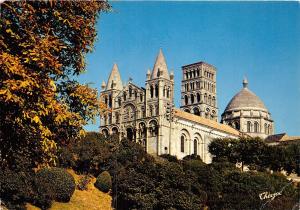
[281, 137]
[245, 99]
[206, 122]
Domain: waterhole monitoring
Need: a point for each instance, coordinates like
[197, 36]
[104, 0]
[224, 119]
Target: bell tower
[159, 99]
[198, 90]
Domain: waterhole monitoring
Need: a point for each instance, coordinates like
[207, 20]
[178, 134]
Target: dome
[245, 99]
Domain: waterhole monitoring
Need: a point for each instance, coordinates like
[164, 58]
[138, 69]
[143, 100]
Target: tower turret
[198, 90]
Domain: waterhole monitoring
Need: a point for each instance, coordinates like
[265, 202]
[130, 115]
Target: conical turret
[114, 80]
[103, 85]
[148, 74]
[160, 68]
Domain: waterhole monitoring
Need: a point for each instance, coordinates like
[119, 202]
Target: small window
[198, 97]
[168, 93]
[256, 127]
[192, 98]
[186, 100]
[182, 144]
[130, 91]
[195, 147]
[141, 97]
[249, 126]
[151, 91]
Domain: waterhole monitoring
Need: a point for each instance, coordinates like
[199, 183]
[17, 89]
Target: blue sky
[260, 40]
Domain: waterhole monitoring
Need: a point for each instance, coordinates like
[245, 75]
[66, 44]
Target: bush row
[40, 189]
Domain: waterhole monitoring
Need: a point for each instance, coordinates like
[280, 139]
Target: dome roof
[245, 99]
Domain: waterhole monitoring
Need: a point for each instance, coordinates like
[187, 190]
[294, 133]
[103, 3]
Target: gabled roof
[114, 77]
[160, 68]
[281, 137]
[206, 122]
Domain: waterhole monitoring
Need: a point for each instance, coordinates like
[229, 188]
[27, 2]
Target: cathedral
[147, 115]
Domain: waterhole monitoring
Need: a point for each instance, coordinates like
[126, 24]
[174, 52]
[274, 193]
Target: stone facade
[198, 90]
[147, 115]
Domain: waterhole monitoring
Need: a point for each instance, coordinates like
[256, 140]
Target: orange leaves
[36, 119]
[35, 88]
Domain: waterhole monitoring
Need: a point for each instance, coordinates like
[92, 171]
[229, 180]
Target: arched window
[130, 91]
[153, 128]
[135, 94]
[105, 132]
[269, 129]
[256, 127]
[142, 130]
[124, 95]
[192, 98]
[109, 101]
[164, 91]
[249, 125]
[156, 91]
[198, 97]
[182, 139]
[266, 128]
[213, 101]
[129, 134]
[209, 100]
[141, 97]
[195, 147]
[151, 91]
[168, 92]
[115, 130]
[196, 111]
[186, 100]
[205, 98]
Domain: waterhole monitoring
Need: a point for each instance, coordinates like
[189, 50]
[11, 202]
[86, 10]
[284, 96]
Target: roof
[160, 68]
[206, 122]
[281, 137]
[245, 99]
[114, 77]
[198, 63]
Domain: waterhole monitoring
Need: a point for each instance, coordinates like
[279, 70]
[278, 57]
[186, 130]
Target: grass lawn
[92, 199]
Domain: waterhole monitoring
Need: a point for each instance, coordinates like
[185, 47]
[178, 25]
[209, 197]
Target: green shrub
[87, 154]
[15, 188]
[170, 158]
[56, 183]
[104, 182]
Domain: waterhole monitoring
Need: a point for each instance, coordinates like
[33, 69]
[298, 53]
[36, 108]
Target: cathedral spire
[114, 80]
[160, 68]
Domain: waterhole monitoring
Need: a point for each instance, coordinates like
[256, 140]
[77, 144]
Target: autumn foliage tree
[42, 50]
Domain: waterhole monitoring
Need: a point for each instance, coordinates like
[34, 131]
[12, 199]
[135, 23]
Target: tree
[257, 154]
[42, 49]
